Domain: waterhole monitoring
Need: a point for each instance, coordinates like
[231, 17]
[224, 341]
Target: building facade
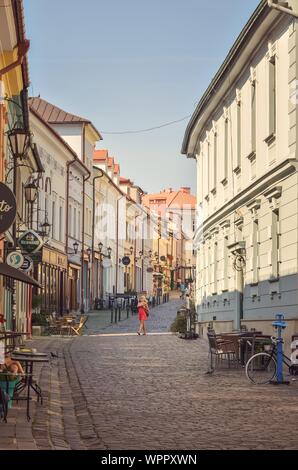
[243, 136]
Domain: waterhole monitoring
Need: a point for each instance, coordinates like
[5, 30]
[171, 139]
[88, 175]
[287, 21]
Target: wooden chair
[220, 349]
[77, 329]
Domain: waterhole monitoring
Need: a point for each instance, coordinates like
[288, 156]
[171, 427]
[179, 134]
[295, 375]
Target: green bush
[36, 301]
[179, 325]
[39, 319]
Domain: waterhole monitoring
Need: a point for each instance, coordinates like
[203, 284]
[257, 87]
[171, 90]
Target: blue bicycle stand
[279, 324]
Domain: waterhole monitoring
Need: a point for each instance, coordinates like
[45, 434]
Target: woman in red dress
[143, 314]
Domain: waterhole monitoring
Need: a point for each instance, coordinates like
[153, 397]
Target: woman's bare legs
[140, 327]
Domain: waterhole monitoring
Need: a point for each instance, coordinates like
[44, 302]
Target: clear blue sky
[133, 64]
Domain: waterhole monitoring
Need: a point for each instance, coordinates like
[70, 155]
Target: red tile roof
[117, 169]
[171, 199]
[100, 154]
[54, 115]
[125, 181]
[110, 162]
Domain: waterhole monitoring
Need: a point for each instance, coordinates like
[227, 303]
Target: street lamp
[89, 252]
[45, 228]
[100, 247]
[31, 192]
[19, 140]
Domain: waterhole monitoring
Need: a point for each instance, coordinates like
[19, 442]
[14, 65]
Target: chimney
[185, 190]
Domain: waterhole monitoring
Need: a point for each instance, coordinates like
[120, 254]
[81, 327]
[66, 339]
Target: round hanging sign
[15, 259]
[126, 260]
[27, 265]
[8, 208]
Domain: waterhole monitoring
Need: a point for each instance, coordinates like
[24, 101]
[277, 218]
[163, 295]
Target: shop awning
[158, 274]
[17, 275]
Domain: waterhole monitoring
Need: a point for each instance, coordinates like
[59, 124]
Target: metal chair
[221, 349]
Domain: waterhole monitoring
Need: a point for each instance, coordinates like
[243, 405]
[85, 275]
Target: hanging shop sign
[27, 265]
[30, 242]
[15, 259]
[162, 258]
[8, 208]
[150, 270]
[126, 260]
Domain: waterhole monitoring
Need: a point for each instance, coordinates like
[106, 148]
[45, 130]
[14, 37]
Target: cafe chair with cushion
[221, 349]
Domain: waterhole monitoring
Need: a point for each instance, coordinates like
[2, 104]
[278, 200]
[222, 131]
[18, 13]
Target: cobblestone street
[116, 390]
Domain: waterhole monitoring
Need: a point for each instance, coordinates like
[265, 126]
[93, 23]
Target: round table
[29, 359]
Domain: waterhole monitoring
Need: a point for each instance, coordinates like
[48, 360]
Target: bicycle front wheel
[261, 368]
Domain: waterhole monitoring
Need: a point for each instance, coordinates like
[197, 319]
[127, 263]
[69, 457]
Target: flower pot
[8, 387]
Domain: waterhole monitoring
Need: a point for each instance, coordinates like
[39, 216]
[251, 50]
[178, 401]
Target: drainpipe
[86, 178]
[22, 51]
[68, 165]
[93, 233]
[117, 245]
[282, 9]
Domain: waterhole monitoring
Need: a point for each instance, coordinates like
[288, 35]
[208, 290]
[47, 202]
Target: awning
[158, 274]
[17, 275]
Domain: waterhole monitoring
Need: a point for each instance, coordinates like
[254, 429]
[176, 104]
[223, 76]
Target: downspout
[86, 178]
[23, 48]
[282, 9]
[117, 245]
[68, 165]
[93, 233]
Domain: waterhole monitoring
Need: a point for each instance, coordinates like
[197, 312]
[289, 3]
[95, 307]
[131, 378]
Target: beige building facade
[243, 136]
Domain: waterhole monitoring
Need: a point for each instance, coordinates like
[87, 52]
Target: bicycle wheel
[261, 368]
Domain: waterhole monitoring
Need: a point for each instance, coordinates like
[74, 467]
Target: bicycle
[261, 368]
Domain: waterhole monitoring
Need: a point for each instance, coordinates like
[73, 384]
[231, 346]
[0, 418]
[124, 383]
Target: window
[226, 155]
[239, 139]
[272, 98]
[253, 117]
[226, 263]
[61, 223]
[54, 219]
[275, 244]
[255, 260]
[79, 226]
[214, 160]
[74, 222]
[215, 270]
[70, 221]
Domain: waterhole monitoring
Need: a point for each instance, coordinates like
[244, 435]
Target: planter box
[38, 330]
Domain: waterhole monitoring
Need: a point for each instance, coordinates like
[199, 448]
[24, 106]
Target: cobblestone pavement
[116, 390]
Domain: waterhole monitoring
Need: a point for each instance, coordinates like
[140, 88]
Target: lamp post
[102, 256]
[18, 139]
[101, 174]
[31, 192]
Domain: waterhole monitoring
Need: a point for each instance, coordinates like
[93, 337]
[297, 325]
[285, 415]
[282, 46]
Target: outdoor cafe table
[29, 359]
[242, 341]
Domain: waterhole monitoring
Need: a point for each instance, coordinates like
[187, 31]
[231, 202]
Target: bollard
[279, 324]
[119, 313]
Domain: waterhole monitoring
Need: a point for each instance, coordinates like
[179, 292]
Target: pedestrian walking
[143, 311]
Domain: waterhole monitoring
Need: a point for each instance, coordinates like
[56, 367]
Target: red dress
[142, 313]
